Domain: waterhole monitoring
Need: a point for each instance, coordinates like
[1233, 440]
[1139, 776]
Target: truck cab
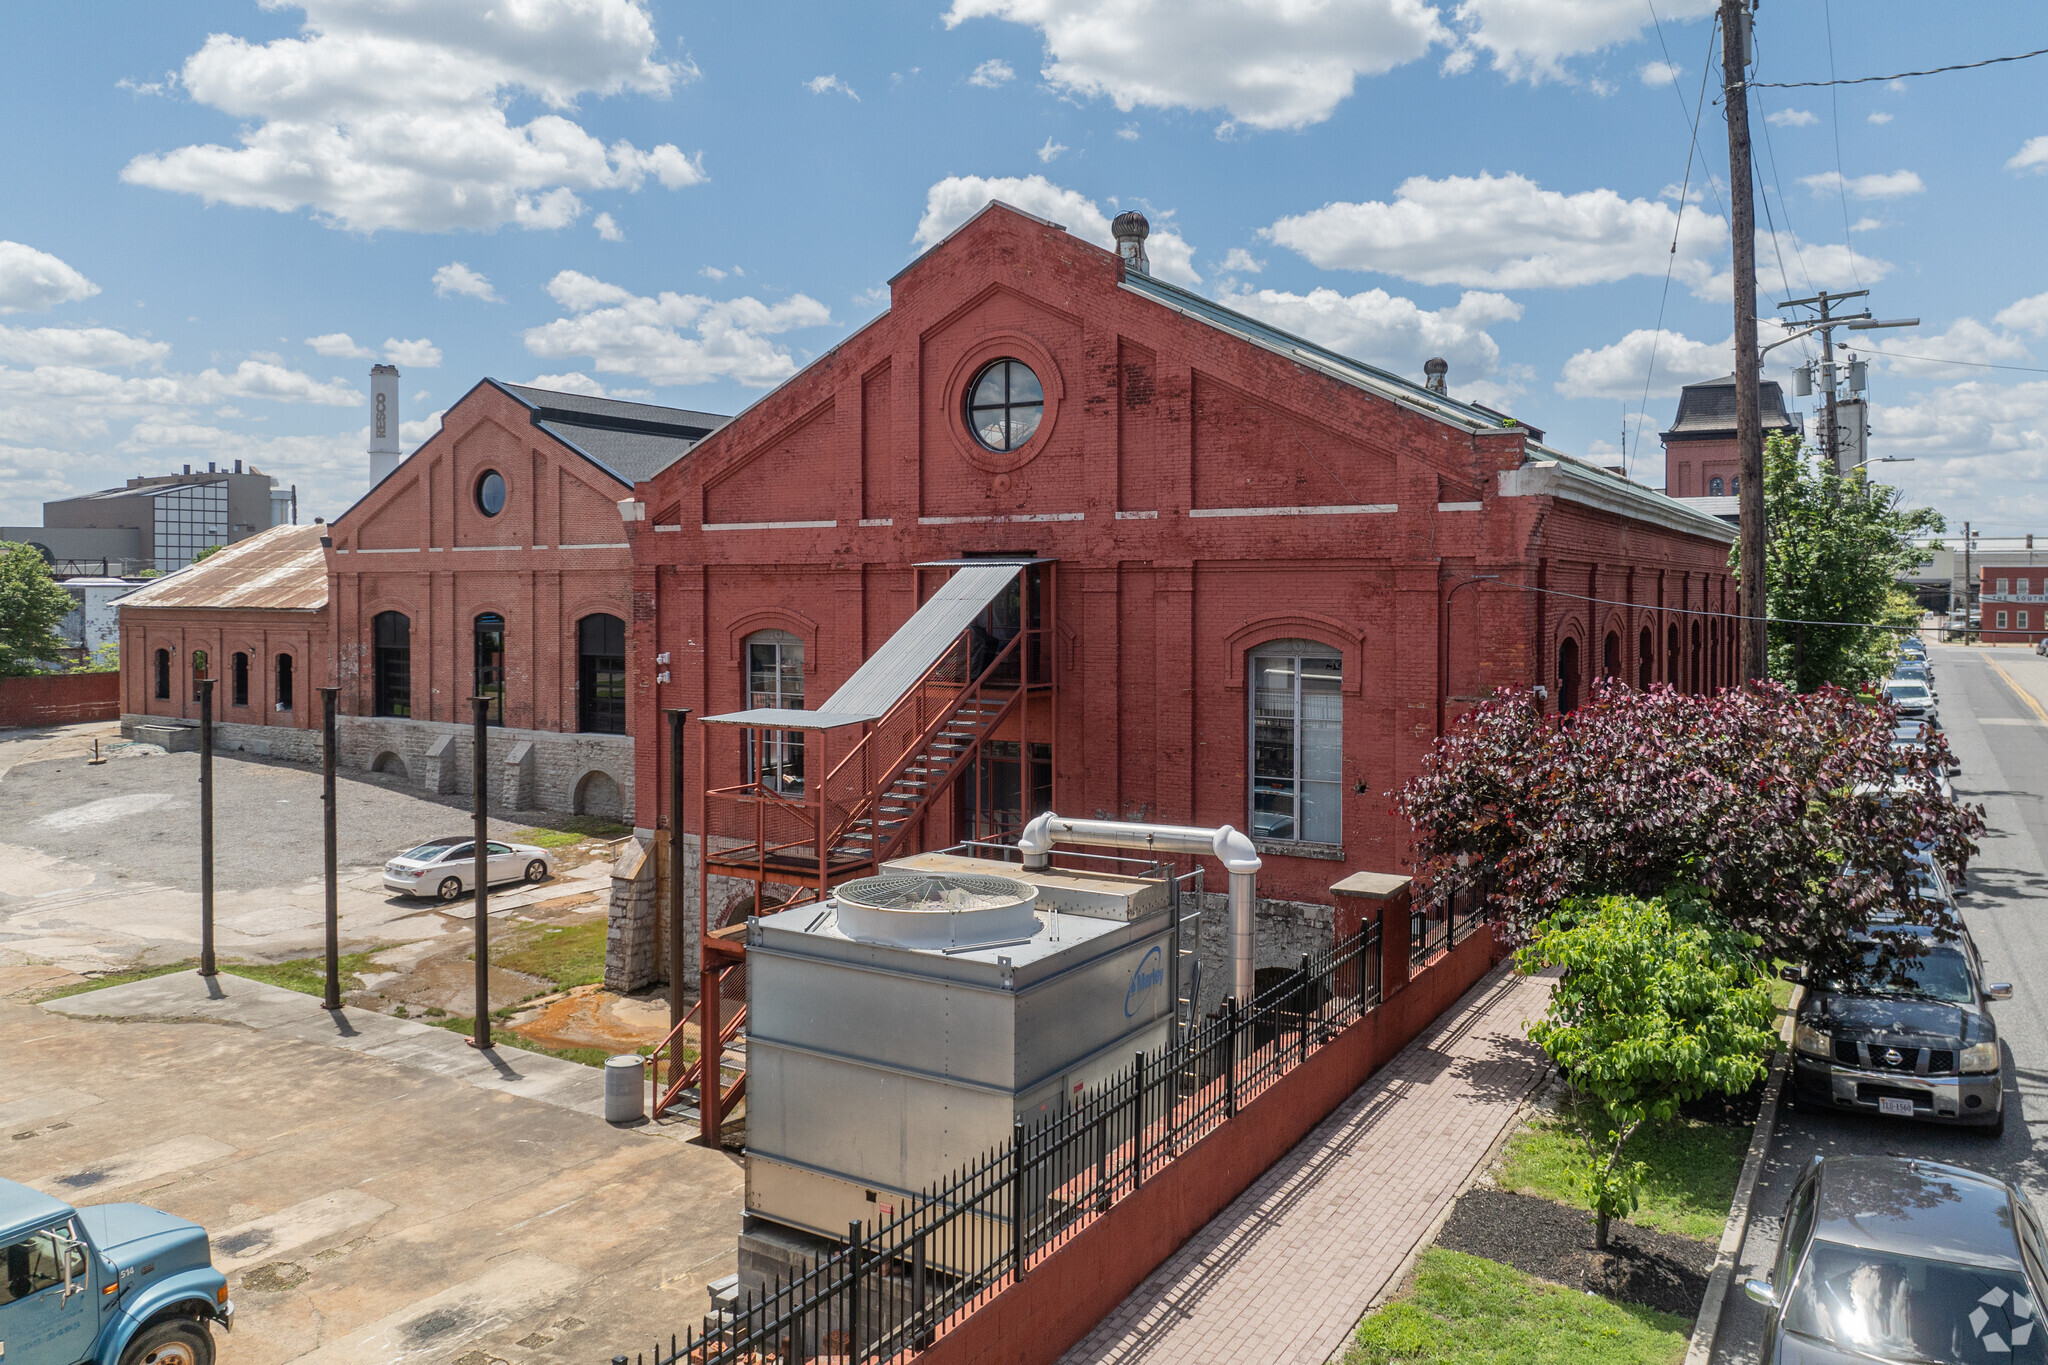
[111, 1284]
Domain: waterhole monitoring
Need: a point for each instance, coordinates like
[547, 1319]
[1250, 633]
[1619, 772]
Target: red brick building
[1262, 576]
[2012, 604]
[1700, 459]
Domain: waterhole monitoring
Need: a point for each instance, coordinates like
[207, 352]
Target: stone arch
[597, 793]
[389, 761]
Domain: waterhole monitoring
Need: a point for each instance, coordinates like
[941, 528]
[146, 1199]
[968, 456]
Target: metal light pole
[206, 962]
[480, 776]
[678, 960]
[331, 1000]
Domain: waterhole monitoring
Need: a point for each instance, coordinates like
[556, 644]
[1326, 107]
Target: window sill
[1293, 848]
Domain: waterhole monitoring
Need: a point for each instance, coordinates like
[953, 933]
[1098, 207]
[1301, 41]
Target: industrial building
[159, 522]
[1701, 464]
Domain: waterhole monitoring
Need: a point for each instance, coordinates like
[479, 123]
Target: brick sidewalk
[1283, 1275]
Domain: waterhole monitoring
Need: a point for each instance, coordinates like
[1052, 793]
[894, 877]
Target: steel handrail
[695, 1070]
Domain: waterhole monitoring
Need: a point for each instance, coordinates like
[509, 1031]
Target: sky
[221, 213]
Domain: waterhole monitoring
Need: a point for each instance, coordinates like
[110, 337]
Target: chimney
[238, 466]
[384, 453]
[1433, 372]
[188, 469]
[1130, 230]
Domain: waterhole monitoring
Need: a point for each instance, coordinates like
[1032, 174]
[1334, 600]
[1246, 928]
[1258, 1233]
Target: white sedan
[447, 867]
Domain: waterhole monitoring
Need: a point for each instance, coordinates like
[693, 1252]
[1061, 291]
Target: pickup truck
[111, 1284]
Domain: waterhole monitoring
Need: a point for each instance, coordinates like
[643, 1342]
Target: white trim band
[768, 525]
[1331, 510]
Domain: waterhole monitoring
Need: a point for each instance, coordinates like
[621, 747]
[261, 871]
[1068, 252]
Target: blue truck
[112, 1284]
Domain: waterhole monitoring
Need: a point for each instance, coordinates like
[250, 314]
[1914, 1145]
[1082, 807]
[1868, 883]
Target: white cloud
[829, 84]
[712, 272]
[265, 379]
[1389, 331]
[1866, 225]
[1051, 150]
[608, 228]
[1980, 448]
[339, 346]
[672, 338]
[1242, 262]
[1532, 39]
[1660, 73]
[1617, 371]
[413, 355]
[1265, 65]
[33, 281]
[394, 114]
[1503, 232]
[2028, 315]
[1823, 265]
[1880, 118]
[2032, 156]
[96, 347]
[1791, 118]
[456, 278]
[954, 200]
[992, 73]
[1129, 132]
[1895, 185]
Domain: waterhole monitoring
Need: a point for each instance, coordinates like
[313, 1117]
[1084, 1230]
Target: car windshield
[426, 853]
[1936, 973]
[1908, 1308]
[1906, 691]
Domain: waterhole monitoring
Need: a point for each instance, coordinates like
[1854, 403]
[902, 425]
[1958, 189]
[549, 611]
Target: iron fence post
[1017, 1198]
[853, 1288]
[206, 962]
[1230, 1060]
[1102, 1163]
[920, 1335]
[1138, 1124]
[332, 999]
[480, 799]
[1301, 995]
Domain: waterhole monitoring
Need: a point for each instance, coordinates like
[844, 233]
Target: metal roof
[631, 456]
[782, 718]
[580, 408]
[282, 569]
[1708, 409]
[630, 441]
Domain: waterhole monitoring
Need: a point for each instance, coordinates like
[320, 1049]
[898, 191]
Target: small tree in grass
[1653, 1009]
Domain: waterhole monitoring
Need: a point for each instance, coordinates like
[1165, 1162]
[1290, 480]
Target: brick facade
[1204, 492]
[2012, 604]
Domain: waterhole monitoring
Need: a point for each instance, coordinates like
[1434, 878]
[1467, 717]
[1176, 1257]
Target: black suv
[1911, 1039]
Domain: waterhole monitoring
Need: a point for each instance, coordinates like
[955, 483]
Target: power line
[1899, 76]
[1696, 611]
[1835, 126]
[1938, 360]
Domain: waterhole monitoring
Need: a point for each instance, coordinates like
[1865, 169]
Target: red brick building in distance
[1253, 580]
[2012, 604]
[1700, 459]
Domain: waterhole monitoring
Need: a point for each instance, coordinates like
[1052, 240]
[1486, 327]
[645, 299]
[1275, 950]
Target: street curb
[1736, 1231]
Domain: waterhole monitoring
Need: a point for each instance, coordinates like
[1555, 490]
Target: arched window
[1610, 660]
[1568, 677]
[163, 675]
[775, 678]
[1646, 659]
[490, 666]
[1697, 651]
[238, 679]
[1297, 742]
[1735, 486]
[601, 675]
[1715, 487]
[283, 688]
[1674, 673]
[391, 642]
[198, 671]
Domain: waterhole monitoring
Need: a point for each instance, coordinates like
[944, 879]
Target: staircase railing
[693, 1072]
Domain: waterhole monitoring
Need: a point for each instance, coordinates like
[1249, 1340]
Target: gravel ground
[138, 816]
[1555, 1243]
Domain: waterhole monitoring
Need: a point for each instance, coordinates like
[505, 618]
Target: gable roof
[282, 569]
[630, 441]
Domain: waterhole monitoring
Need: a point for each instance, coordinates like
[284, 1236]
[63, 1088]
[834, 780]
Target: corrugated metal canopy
[782, 718]
[282, 569]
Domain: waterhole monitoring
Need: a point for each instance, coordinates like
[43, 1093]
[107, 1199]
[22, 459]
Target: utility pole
[1749, 432]
[1966, 584]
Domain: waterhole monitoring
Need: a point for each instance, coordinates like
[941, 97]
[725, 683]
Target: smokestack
[1130, 230]
[384, 452]
[1433, 372]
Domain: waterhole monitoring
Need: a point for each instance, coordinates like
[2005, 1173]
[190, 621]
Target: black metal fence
[898, 1284]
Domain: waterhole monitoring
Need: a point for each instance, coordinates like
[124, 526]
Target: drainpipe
[1226, 845]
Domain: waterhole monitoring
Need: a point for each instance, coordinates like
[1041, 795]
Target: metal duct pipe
[1226, 845]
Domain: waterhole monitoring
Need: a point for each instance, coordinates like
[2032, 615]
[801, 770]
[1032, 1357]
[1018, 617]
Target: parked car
[1914, 700]
[1919, 734]
[447, 867]
[1895, 1259]
[1909, 670]
[110, 1284]
[2041, 645]
[1910, 1038]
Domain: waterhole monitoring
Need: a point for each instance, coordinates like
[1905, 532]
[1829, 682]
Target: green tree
[208, 553]
[105, 659]
[1653, 1009]
[1835, 550]
[31, 608]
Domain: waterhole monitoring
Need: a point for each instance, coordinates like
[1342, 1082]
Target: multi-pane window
[284, 682]
[238, 679]
[1714, 487]
[1297, 742]
[992, 804]
[775, 678]
[601, 675]
[2023, 621]
[187, 519]
[2001, 620]
[391, 641]
[490, 666]
[2002, 588]
[1005, 404]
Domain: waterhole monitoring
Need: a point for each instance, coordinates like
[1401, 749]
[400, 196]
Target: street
[1994, 707]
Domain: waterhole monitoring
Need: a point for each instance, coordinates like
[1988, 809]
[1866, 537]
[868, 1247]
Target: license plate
[1901, 1108]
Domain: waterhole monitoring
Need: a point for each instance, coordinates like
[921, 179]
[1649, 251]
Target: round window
[1005, 404]
[490, 493]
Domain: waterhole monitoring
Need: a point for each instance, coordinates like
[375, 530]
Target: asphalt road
[2002, 741]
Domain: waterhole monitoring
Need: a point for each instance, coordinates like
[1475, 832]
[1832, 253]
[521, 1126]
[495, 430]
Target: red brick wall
[1690, 465]
[1152, 419]
[2021, 584]
[261, 635]
[59, 699]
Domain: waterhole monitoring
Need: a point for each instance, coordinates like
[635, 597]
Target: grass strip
[570, 829]
[121, 978]
[569, 955]
[1465, 1310]
[306, 975]
[1691, 1179]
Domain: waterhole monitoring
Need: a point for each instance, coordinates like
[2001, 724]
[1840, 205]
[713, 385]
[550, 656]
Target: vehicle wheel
[173, 1341]
[1996, 1128]
[450, 889]
[536, 871]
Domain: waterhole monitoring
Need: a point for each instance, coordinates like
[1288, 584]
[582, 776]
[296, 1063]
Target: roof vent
[1433, 372]
[1130, 230]
[937, 911]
